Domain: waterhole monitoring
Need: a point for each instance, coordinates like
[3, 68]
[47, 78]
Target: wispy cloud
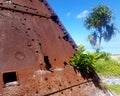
[68, 13]
[82, 14]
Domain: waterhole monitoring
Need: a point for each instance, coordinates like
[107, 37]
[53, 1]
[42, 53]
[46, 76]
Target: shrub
[85, 61]
[82, 60]
[103, 55]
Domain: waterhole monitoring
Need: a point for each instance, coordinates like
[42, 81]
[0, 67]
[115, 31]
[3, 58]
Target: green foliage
[100, 62]
[100, 16]
[103, 55]
[100, 21]
[114, 88]
[107, 67]
[83, 60]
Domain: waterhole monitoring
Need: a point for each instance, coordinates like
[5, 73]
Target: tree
[100, 21]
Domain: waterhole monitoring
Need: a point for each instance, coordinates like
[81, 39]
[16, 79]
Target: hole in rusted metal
[59, 37]
[46, 4]
[46, 79]
[28, 28]
[60, 85]
[29, 45]
[30, 0]
[40, 44]
[26, 32]
[65, 63]
[77, 80]
[47, 62]
[62, 29]
[33, 39]
[66, 37]
[36, 51]
[65, 32]
[20, 55]
[61, 92]
[26, 9]
[79, 87]
[69, 82]
[36, 92]
[1, 8]
[1, 3]
[54, 59]
[49, 88]
[23, 23]
[71, 89]
[70, 42]
[25, 19]
[73, 46]
[41, 64]
[10, 78]
[48, 8]
[14, 6]
[37, 12]
[54, 18]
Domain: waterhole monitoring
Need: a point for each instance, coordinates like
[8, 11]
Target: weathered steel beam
[21, 9]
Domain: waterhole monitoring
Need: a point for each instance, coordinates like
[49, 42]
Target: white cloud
[82, 14]
[68, 14]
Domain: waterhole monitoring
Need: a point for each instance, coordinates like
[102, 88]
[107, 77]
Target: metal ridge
[72, 42]
[21, 9]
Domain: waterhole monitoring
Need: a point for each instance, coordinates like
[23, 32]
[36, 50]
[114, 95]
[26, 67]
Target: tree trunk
[100, 39]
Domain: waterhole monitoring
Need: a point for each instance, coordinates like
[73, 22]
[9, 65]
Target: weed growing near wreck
[107, 67]
[82, 60]
[85, 60]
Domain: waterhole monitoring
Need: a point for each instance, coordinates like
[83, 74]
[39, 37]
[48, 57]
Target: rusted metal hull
[60, 82]
[35, 50]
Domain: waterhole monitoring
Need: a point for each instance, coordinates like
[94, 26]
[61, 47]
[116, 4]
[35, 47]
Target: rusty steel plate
[35, 50]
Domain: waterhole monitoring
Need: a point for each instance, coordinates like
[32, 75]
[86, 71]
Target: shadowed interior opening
[9, 77]
[47, 62]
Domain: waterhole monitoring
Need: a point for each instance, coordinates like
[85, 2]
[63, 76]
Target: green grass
[107, 67]
[114, 88]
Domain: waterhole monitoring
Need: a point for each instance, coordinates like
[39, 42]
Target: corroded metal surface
[60, 82]
[35, 50]
[27, 36]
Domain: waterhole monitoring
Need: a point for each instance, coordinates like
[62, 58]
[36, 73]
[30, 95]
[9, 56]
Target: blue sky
[72, 14]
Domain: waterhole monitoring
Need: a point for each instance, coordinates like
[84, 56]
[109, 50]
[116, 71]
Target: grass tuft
[114, 88]
[107, 67]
